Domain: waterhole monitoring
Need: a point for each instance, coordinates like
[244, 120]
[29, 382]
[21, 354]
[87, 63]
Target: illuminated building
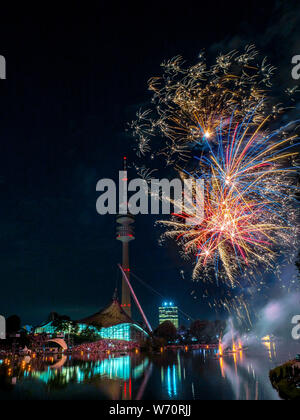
[114, 323]
[110, 323]
[168, 312]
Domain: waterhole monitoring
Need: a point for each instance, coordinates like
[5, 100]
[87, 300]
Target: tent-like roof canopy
[109, 316]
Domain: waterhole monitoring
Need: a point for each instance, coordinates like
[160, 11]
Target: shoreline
[286, 380]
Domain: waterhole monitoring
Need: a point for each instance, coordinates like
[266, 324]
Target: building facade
[111, 323]
[169, 312]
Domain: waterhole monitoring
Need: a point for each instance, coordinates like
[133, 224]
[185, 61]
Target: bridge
[59, 341]
[192, 346]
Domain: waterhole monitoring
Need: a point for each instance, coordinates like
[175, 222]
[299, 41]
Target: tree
[166, 330]
[198, 328]
[13, 324]
[65, 325]
[182, 334]
[62, 325]
[207, 332]
[88, 335]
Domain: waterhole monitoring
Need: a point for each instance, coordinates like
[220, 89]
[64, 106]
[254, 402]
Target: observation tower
[125, 234]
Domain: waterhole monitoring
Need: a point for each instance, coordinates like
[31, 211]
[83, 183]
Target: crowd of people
[106, 346]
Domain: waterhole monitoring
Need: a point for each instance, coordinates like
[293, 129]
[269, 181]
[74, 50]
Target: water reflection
[198, 374]
[248, 376]
[113, 374]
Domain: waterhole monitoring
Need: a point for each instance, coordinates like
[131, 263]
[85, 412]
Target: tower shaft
[126, 298]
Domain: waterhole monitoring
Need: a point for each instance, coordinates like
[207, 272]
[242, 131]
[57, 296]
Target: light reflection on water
[198, 374]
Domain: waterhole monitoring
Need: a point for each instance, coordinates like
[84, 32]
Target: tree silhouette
[13, 324]
[198, 327]
[166, 330]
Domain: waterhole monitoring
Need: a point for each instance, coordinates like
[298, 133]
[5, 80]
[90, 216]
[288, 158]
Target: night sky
[74, 80]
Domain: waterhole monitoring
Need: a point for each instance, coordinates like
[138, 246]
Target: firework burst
[190, 103]
[217, 123]
[248, 203]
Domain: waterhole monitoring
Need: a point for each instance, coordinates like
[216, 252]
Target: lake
[172, 375]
